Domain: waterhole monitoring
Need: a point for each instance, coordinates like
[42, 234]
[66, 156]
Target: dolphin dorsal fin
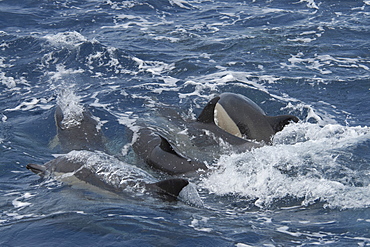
[208, 113]
[278, 122]
[166, 146]
[171, 187]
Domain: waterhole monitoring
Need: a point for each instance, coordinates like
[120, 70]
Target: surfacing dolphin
[105, 172]
[229, 122]
[81, 132]
[241, 117]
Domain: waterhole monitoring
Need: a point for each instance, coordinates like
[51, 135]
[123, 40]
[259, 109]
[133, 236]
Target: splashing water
[306, 162]
[70, 105]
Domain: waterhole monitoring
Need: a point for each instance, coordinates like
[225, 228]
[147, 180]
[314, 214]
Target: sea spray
[70, 105]
[311, 167]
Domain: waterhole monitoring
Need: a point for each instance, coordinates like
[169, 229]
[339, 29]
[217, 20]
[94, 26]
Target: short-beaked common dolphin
[107, 173]
[229, 122]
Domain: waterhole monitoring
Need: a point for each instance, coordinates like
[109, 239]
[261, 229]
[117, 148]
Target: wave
[307, 162]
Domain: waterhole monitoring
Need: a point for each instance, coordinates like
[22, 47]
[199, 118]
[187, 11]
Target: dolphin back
[160, 154]
[279, 122]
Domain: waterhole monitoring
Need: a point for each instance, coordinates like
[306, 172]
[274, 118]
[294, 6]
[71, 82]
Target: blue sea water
[124, 59]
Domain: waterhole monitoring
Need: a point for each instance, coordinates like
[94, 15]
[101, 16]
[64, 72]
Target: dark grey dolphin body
[159, 153]
[107, 173]
[229, 122]
[84, 135]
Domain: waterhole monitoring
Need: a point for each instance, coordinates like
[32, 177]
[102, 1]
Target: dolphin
[107, 173]
[83, 134]
[241, 117]
[228, 122]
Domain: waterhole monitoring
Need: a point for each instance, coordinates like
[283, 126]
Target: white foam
[171, 39]
[154, 67]
[213, 81]
[121, 5]
[284, 229]
[310, 4]
[322, 118]
[70, 105]
[322, 62]
[243, 245]
[30, 104]
[3, 64]
[302, 163]
[124, 21]
[181, 3]
[11, 82]
[197, 224]
[58, 76]
[19, 203]
[66, 38]
[303, 40]
[17, 216]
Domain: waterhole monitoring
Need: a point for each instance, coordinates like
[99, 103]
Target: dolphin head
[80, 132]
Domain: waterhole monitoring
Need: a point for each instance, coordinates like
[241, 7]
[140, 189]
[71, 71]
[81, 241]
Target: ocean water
[124, 60]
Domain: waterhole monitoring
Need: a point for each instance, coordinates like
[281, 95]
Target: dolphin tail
[279, 122]
[38, 169]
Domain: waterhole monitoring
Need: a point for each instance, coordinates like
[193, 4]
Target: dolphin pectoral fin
[38, 169]
[208, 113]
[279, 122]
